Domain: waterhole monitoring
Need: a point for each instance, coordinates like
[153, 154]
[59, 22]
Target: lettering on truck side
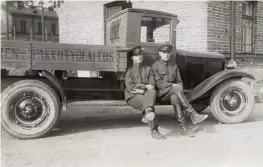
[73, 55]
[9, 53]
[78, 55]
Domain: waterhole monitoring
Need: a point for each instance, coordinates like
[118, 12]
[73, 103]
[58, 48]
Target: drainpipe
[232, 30]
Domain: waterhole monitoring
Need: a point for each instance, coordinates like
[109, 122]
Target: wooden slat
[15, 54]
[123, 65]
[89, 66]
[74, 57]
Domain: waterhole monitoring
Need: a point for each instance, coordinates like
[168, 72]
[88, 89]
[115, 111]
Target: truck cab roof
[144, 11]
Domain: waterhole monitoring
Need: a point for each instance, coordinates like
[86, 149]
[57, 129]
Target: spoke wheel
[232, 101]
[30, 109]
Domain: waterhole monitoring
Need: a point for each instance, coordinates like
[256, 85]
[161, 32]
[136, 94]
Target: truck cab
[148, 28]
[151, 29]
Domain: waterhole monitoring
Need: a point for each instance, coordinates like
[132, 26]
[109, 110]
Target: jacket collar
[164, 62]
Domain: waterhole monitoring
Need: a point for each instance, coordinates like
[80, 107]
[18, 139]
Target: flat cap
[137, 50]
[166, 48]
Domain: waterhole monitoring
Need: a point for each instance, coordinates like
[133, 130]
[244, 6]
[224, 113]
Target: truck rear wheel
[232, 102]
[30, 109]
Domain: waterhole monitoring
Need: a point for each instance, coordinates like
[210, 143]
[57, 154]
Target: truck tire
[232, 101]
[30, 109]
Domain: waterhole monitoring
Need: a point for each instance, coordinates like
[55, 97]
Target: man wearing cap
[140, 90]
[170, 89]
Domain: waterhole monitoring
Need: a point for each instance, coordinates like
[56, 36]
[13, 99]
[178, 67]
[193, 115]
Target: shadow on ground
[81, 119]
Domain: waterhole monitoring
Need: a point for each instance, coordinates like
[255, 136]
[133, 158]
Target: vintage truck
[31, 102]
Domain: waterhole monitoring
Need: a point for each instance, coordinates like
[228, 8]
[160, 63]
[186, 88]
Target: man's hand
[137, 91]
[149, 87]
[178, 86]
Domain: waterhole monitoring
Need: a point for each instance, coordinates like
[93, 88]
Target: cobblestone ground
[114, 136]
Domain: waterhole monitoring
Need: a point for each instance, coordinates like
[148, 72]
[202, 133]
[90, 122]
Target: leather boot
[194, 116]
[153, 125]
[156, 134]
[185, 131]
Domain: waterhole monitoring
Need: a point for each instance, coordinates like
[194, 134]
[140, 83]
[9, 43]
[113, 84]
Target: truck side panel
[73, 57]
[56, 56]
[15, 55]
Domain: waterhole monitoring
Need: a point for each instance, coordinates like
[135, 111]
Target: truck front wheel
[232, 101]
[30, 109]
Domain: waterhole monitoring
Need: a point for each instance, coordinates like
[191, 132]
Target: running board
[98, 103]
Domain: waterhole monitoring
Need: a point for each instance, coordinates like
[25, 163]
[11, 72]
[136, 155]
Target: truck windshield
[155, 30]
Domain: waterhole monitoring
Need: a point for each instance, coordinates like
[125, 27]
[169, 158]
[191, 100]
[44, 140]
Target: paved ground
[114, 136]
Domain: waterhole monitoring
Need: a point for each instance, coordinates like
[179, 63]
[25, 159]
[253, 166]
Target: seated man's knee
[174, 99]
[177, 89]
[152, 91]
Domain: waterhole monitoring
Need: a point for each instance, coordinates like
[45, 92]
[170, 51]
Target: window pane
[39, 27]
[53, 29]
[248, 23]
[247, 8]
[248, 48]
[248, 36]
[244, 22]
[155, 30]
[143, 33]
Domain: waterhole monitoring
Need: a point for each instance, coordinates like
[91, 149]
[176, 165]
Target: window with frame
[23, 26]
[155, 29]
[247, 27]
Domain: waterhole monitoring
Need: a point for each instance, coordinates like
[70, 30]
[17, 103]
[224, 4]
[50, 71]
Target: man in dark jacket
[170, 88]
[140, 90]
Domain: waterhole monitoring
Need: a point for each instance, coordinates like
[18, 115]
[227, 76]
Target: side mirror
[231, 64]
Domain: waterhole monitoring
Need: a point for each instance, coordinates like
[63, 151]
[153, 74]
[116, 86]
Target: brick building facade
[204, 25]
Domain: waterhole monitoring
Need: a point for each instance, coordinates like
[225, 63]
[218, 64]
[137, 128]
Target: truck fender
[59, 87]
[214, 80]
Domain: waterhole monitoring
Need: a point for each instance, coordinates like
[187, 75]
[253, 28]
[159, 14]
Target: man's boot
[154, 129]
[194, 116]
[185, 131]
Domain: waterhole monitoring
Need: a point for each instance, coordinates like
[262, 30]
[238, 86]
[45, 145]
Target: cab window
[155, 30]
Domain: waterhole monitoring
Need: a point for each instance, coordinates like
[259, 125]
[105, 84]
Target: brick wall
[238, 29]
[218, 33]
[204, 25]
[258, 27]
[219, 13]
[219, 26]
[82, 22]
[191, 31]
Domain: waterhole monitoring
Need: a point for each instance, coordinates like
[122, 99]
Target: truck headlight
[231, 64]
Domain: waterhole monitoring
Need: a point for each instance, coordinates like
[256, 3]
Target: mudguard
[214, 80]
[57, 84]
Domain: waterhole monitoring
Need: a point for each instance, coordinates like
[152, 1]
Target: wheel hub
[29, 110]
[233, 101]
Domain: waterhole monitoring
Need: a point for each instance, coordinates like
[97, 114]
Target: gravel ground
[114, 136]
